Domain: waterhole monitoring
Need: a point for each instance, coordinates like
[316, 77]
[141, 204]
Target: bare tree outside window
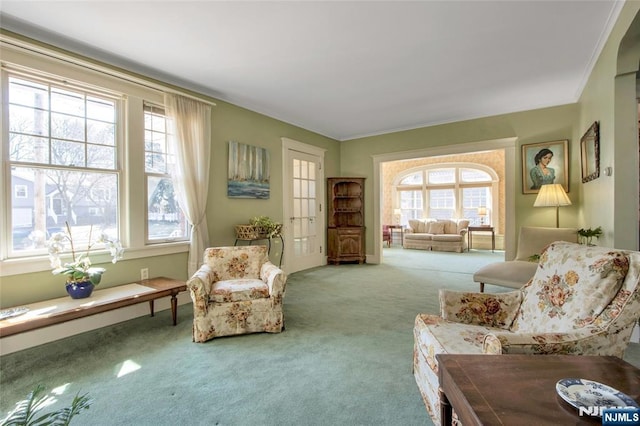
[62, 148]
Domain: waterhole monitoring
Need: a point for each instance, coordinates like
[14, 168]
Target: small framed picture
[544, 163]
[590, 153]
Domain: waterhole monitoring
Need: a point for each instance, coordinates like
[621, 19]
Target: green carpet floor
[344, 359]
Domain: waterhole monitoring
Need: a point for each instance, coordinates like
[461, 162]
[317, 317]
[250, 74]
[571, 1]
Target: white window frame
[457, 186]
[20, 56]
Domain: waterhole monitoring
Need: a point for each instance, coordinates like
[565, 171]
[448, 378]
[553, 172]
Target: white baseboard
[29, 339]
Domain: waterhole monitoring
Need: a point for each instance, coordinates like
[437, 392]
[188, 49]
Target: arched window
[445, 191]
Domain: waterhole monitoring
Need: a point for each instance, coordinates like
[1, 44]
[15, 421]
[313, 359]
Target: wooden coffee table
[520, 389]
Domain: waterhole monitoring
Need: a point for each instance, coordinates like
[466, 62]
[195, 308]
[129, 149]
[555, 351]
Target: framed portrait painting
[544, 163]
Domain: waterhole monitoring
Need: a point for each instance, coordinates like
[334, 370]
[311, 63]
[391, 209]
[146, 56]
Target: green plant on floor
[26, 412]
[587, 235]
[267, 226]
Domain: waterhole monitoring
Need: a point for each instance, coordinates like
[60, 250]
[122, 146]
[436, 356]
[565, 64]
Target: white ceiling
[342, 69]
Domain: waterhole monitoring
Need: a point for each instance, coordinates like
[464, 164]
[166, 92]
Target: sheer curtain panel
[190, 133]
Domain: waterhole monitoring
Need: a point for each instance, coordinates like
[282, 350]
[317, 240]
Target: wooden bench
[55, 311]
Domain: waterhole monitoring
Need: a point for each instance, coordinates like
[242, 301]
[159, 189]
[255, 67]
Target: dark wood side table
[392, 229]
[521, 389]
[485, 228]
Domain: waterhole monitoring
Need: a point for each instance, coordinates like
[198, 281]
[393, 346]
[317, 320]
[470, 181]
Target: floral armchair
[236, 291]
[582, 300]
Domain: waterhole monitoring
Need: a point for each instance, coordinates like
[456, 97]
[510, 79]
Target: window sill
[32, 264]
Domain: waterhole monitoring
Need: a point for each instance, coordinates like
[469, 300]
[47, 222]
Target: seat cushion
[437, 336]
[238, 290]
[426, 237]
[447, 237]
[571, 287]
[513, 273]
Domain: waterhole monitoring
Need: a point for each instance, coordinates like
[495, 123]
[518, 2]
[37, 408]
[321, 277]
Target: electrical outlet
[144, 273]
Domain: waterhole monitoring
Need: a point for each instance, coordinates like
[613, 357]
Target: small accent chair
[386, 235]
[516, 273]
[582, 300]
[236, 291]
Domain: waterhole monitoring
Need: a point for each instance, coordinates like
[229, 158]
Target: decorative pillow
[436, 228]
[450, 226]
[414, 224]
[571, 287]
[462, 224]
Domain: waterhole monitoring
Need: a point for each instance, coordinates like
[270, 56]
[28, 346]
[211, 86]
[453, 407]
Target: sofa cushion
[240, 262]
[447, 237]
[435, 334]
[238, 290]
[570, 283]
[436, 228]
[462, 225]
[422, 237]
[450, 226]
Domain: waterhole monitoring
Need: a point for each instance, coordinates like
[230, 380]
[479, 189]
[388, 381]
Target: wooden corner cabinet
[345, 211]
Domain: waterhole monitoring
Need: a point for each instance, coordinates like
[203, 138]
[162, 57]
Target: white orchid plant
[80, 269]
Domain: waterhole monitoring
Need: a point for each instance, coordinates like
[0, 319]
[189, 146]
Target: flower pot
[80, 290]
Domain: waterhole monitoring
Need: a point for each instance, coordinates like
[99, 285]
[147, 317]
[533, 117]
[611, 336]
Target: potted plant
[587, 235]
[266, 227]
[81, 276]
[29, 411]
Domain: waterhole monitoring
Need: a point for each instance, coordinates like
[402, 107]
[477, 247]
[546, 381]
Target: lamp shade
[482, 211]
[552, 195]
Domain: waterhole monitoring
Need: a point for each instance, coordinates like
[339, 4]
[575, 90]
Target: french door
[304, 230]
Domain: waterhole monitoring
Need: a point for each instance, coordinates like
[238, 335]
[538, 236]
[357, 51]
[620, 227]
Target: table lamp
[552, 195]
[482, 211]
[397, 215]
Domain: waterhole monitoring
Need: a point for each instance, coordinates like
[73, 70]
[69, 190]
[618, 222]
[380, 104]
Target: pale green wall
[610, 98]
[541, 125]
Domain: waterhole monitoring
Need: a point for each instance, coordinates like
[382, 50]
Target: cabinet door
[349, 243]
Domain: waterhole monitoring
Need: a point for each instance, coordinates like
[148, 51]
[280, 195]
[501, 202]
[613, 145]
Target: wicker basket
[249, 232]
[253, 232]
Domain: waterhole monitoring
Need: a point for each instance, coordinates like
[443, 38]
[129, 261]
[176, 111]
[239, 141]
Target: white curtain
[190, 133]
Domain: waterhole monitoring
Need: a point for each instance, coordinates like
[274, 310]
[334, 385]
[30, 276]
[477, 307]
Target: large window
[165, 220]
[446, 191]
[63, 161]
[85, 148]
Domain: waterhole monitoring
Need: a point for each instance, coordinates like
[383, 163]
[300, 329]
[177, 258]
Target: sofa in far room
[436, 234]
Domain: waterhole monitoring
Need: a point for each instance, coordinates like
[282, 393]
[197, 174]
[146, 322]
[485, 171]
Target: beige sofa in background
[438, 235]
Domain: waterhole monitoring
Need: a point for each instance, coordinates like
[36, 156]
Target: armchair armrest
[585, 341]
[486, 309]
[274, 277]
[200, 286]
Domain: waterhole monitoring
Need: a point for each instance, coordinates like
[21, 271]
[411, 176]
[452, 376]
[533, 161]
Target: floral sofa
[582, 300]
[440, 234]
[236, 291]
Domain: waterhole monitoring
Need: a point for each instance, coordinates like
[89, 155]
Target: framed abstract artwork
[249, 171]
[544, 163]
